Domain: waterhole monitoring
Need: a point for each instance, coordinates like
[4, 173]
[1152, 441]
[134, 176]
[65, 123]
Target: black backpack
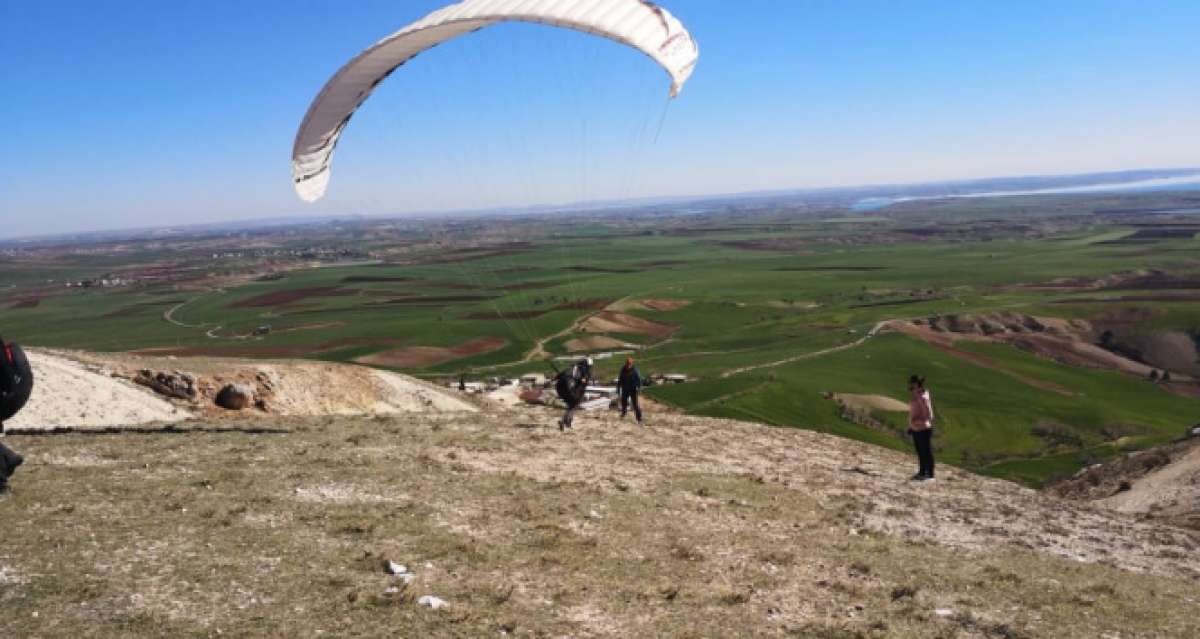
[16, 380]
[571, 384]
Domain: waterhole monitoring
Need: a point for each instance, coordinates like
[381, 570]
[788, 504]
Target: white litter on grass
[943, 612]
[9, 577]
[593, 515]
[399, 571]
[341, 493]
[429, 601]
[601, 403]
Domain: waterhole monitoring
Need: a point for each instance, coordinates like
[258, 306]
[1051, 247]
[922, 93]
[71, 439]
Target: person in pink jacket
[920, 426]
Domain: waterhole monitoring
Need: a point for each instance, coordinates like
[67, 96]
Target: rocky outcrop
[235, 397]
[176, 384]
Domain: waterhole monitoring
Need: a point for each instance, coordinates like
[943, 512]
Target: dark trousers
[9, 461]
[573, 404]
[631, 398]
[923, 440]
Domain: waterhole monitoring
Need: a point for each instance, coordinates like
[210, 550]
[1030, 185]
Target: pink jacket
[920, 412]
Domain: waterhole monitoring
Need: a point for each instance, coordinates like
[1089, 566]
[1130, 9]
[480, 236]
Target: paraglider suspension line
[662, 119]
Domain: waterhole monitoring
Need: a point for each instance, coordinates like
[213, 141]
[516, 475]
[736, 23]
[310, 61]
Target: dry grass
[689, 528]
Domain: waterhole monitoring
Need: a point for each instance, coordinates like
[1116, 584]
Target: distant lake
[1181, 183]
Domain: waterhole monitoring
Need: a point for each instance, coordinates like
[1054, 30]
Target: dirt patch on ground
[1076, 353]
[664, 305]
[426, 356]
[1154, 280]
[28, 302]
[614, 322]
[1183, 389]
[872, 402]
[80, 390]
[291, 296]
[596, 343]
[1173, 351]
[67, 393]
[1163, 483]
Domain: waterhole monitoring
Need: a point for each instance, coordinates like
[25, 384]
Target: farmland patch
[662, 305]
[594, 304]
[496, 315]
[831, 269]
[614, 322]
[272, 351]
[134, 309]
[425, 300]
[291, 296]
[599, 269]
[425, 356]
[373, 279]
[594, 343]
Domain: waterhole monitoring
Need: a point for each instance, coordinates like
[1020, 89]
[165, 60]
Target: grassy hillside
[689, 527]
[986, 417]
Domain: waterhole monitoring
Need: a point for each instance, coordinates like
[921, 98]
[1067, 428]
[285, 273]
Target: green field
[759, 288]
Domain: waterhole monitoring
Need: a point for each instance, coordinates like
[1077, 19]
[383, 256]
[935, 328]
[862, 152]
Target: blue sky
[135, 113]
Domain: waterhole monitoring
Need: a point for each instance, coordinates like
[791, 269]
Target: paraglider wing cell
[636, 23]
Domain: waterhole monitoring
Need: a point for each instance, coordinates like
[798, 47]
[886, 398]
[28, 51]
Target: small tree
[1154, 375]
[1166, 376]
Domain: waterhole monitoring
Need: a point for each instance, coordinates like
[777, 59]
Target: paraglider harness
[16, 383]
[16, 380]
[571, 384]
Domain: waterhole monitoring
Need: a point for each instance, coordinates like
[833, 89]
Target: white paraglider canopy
[637, 23]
